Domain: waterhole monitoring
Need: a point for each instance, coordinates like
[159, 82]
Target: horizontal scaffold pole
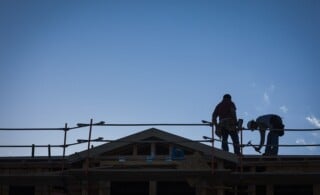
[32, 129]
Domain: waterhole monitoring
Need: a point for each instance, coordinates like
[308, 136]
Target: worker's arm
[214, 116]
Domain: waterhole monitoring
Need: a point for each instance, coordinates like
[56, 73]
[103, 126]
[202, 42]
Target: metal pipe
[89, 141]
[65, 140]
[49, 151]
[32, 151]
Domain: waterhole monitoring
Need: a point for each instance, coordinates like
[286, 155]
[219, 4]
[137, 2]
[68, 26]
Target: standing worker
[226, 111]
[274, 124]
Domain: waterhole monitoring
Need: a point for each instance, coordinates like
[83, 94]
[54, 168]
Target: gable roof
[155, 134]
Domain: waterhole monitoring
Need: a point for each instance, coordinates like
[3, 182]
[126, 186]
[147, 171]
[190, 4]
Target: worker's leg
[274, 143]
[268, 145]
[235, 139]
[224, 143]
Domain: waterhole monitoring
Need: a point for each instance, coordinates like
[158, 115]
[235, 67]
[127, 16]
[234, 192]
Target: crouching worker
[226, 111]
[276, 128]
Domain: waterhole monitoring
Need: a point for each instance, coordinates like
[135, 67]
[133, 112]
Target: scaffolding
[91, 124]
[86, 170]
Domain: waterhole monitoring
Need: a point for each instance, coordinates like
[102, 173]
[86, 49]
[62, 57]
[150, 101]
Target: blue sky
[156, 62]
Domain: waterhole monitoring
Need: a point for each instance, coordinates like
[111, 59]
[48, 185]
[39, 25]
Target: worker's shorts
[226, 125]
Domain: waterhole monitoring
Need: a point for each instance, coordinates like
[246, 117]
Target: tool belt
[227, 124]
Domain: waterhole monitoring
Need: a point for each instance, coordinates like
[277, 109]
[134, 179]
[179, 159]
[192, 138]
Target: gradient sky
[125, 61]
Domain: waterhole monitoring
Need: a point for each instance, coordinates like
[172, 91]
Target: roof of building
[155, 135]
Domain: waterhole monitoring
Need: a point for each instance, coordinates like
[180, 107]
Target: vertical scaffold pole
[32, 150]
[241, 150]
[88, 157]
[88, 151]
[49, 150]
[64, 145]
[212, 149]
[65, 140]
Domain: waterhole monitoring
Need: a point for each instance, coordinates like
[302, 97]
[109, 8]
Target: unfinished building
[155, 162]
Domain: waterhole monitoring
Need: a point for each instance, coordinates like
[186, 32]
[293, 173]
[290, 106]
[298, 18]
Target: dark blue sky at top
[157, 61]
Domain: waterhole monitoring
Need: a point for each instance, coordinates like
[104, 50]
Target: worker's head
[252, 125]
[227, 96]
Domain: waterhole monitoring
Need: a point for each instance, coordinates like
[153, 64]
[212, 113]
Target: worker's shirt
[265, 121]
[225, 110]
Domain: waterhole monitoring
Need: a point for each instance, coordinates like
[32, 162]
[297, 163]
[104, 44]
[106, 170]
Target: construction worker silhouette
[276, 128]
[226, 111]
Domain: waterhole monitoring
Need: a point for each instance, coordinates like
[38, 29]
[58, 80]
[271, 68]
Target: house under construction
[156, 162]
